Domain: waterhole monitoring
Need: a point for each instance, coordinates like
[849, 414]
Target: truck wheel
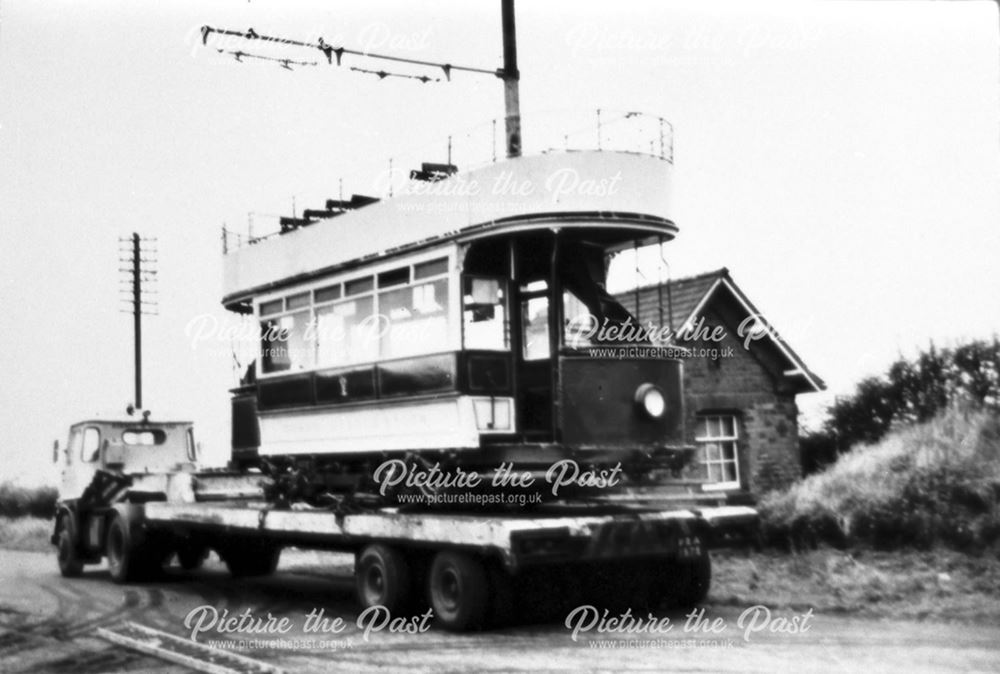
[690, 582]
[70, 565]
[126, 560]
[382, 577]
[501, 611]
[191, 557]
[459, 590]
[245, 561]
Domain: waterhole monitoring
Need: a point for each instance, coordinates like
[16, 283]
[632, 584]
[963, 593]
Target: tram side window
[485, 314]
[285, 343]
[346, 332]
[579, 323]
[414, 319]
[535, 321]
[273, 346]
[301, 347]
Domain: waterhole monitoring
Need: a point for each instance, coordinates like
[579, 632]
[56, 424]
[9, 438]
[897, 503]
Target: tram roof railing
[600, 129]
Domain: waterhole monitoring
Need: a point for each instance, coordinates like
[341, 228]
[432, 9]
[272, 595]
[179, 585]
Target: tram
[443, 325]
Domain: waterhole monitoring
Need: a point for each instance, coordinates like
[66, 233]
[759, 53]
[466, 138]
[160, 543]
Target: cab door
[81, 461]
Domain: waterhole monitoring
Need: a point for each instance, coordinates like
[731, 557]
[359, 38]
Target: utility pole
[511, 77]
[139, 256]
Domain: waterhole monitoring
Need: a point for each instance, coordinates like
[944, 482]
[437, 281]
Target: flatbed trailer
[517, 540]
[473, 568]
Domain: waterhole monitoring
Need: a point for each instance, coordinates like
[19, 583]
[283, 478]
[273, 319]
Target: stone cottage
[740, 383]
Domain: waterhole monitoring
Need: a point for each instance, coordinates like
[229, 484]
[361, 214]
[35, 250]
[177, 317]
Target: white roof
[574, 189]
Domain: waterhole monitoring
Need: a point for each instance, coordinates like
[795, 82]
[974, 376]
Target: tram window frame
[355, 354]
[322, 296]
[389, 348]
[530, 291]
[469, 316]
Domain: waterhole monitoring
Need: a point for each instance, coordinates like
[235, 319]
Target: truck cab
[107, 467]
[134, 447]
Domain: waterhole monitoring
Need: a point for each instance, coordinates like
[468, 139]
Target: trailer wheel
[691, 582]
[127, 561]
[256, 559]
[459, 590]
[70, 565]
[501, 602]
[191, 557]
[382, 576]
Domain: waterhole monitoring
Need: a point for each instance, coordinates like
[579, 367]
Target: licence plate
[689, 547]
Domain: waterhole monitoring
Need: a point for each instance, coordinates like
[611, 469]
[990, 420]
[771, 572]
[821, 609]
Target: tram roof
[589, 189]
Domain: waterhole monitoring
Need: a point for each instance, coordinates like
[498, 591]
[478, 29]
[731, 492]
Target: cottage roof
[679, 302]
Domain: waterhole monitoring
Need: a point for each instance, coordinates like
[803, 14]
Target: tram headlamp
[651, 401]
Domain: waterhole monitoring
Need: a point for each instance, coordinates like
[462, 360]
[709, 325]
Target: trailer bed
[518, 538]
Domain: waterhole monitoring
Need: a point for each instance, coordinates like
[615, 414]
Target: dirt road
[48, 623]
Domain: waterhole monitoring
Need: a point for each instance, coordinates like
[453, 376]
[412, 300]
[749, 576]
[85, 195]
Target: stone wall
[736, 382]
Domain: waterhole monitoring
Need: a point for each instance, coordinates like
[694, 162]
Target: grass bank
[25, 533]
[937, 585]
[933, 484]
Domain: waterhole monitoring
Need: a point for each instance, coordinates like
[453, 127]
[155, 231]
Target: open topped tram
[463, 321]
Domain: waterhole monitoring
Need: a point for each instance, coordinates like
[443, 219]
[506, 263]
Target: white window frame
[723, 441]
[454, 303]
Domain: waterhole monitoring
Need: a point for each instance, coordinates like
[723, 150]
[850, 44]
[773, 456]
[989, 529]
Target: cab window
[144, 437]
[192, 449]
[91, 446]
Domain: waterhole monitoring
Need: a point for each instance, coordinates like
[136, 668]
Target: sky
[840, 158]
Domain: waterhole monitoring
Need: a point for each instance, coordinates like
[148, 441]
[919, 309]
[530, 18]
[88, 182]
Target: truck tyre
[252, 559]
[191, 557]
[126, 559]
[459, 590]
[382, 577]
[691, 582]
[501, 611]
[70, 565]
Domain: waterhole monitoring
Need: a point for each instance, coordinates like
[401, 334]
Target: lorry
[439, 340]
[132, 493]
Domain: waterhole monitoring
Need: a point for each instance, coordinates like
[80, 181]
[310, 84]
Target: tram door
[533, 356]
[512, 275]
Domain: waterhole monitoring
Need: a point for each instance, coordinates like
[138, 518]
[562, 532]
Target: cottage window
[718, 438]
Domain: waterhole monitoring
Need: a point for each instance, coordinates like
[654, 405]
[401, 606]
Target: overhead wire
[287, 64]
[382, 74]
[331, 51]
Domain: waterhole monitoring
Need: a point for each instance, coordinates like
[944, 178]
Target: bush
[25, 533]
[17, 501]
[928, 484]
[911, 391]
